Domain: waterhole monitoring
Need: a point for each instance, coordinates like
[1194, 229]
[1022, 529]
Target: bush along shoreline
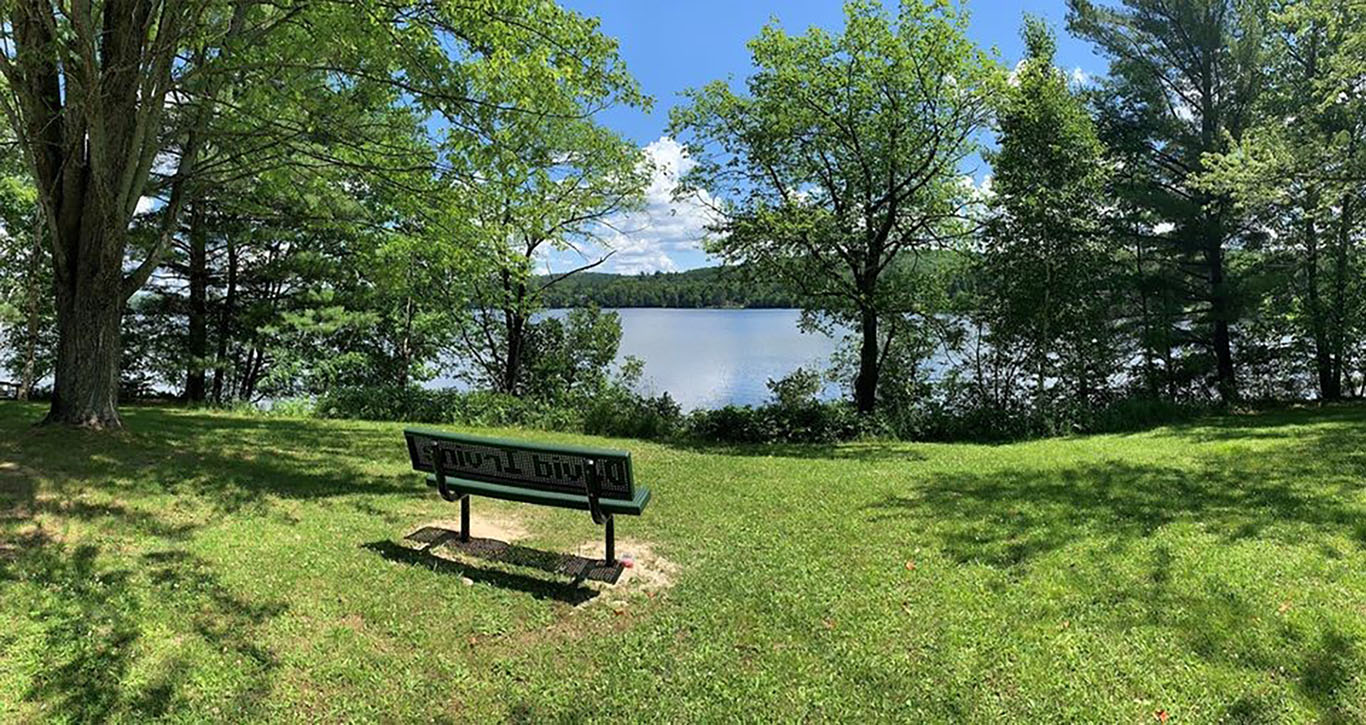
[617, 411]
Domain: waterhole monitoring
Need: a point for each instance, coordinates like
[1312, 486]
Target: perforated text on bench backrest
[512, 463]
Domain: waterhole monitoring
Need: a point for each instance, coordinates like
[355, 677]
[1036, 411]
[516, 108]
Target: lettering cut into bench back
[518, 463]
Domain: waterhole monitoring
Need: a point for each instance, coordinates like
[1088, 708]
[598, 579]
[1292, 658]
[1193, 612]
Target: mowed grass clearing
[207, 566]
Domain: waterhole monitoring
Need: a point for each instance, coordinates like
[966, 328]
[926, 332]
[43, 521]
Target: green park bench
[596, 480]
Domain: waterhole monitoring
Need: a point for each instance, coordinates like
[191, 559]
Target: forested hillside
[706, 287]
[702, 287]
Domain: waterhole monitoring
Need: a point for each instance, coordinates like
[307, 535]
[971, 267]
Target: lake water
[710, 358]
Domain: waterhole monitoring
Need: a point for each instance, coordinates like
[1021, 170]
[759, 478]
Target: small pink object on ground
[628, 562]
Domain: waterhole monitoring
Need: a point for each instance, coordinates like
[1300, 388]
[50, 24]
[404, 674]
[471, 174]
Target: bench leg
[465, 518]
[611, 547]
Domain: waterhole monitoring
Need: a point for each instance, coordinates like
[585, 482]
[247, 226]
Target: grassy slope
[206, 565]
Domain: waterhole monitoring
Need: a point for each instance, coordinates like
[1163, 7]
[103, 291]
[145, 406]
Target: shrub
[799, 388]
[1129, 414]
[633, 416]
[813, 422]
[447, 405]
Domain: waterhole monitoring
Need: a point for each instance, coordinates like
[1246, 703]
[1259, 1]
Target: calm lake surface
[711, 358]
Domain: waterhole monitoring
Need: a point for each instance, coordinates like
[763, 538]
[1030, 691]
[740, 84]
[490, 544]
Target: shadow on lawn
[91, 620]
[1311, 489]
[226, 462]
[862, 451]
[85, 605]
[1219, 624]
[573, 593]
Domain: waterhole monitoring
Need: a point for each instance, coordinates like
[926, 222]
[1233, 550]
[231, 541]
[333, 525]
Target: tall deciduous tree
[1050, 290]
[535, 186]
[104, 94]
[1186, 75]
[1300, 170]
[841, 160]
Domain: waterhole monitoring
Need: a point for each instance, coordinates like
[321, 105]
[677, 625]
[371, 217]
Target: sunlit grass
[213, 566]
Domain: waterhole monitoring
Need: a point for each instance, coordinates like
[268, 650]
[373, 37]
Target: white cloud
[978, 192]
[648, 240]
[1013, 78]
[1080, 77]
[1163, 228]
[146, 204]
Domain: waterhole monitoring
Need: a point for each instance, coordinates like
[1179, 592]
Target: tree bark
[224, 319]
[1318, 324]
[1341, 292]
[197, 344]
[1222, 338]
[516, 341]
[90, 299]
[865, 383]
[514, 328]
[405, 349]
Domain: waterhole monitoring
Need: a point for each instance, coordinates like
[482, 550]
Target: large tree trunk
[197, 344]
[90, 301]
[865, 383]
[87, 86]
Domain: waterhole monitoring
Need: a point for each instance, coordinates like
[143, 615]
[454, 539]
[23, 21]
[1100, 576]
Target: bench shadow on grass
[570, 571]
[576, 568]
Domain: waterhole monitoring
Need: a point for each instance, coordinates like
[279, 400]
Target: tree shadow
[229, 463]
[1005, 518]
[1270, 424]
[1308, 490]
[869, 451]
[93, 621]
[1221, 625]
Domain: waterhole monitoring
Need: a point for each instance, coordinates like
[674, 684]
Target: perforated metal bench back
[516, 463]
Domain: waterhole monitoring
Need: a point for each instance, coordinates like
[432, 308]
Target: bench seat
[462, 487]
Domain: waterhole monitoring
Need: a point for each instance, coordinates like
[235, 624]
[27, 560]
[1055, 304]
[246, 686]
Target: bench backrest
[518, 463]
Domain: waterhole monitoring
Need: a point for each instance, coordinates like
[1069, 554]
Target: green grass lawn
[212, 566]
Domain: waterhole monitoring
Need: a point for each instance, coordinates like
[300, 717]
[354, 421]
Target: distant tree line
[696, 288]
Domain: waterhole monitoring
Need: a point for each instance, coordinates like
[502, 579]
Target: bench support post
[610, 555]
[465, 517]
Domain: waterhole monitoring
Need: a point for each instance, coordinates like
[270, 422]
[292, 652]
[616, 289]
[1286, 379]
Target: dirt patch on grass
[508, 529]
[494, 539]
[648, 571]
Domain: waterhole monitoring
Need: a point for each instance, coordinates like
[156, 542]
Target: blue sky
[671, 45]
